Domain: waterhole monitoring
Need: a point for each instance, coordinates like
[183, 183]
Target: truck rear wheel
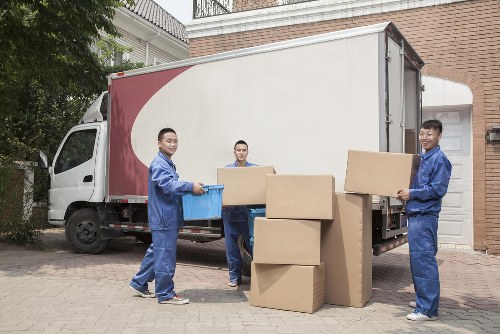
[83, 232]
[246, 258]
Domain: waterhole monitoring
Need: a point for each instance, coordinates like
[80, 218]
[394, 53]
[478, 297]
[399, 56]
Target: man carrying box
[235, 219]
[164, 218]
[423, 204]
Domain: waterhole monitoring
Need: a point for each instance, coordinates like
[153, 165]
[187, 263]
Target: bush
[16, 225]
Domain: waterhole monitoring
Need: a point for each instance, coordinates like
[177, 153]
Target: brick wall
[241, 5]
[460, 42]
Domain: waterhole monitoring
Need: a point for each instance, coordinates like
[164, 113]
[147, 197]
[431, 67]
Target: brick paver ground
[57, 291]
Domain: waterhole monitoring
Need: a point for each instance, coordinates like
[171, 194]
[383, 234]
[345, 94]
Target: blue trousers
[232, 231]
[159, 264]
[422, 240]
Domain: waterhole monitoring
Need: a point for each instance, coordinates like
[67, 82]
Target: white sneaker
[143, 294]
[417, 316]
[412, 304]
[233, 284]
[176, 300]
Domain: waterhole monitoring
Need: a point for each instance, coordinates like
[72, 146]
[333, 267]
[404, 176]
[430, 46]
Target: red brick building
[460, 44]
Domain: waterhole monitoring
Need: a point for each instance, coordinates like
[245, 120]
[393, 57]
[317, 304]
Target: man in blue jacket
[423, 204]
[165, 219]
[235, 220]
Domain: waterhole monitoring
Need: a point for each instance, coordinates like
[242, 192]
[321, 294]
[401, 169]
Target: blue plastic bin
[203, 207]
[252, 213]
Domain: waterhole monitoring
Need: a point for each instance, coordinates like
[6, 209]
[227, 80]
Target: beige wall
[459, 42]
[138, 54]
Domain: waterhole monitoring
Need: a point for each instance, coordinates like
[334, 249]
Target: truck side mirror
[43, 160]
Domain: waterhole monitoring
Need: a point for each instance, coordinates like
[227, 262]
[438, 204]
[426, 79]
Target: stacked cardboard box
[346, 246]
[346, 250]
[287, 272]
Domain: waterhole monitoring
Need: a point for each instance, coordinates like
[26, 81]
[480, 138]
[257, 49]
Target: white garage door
[451, 103]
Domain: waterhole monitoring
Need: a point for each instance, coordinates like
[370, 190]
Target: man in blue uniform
[423, 204]
[235, 219]
[165, 219]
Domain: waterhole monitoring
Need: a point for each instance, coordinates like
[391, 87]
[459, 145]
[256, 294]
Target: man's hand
[198, 188]
[404, 194]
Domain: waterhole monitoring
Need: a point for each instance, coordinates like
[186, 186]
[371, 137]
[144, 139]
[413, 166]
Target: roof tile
[153, 13]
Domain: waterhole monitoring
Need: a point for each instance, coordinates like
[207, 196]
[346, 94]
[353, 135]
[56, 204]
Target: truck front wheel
[83, 232]
[246, 258]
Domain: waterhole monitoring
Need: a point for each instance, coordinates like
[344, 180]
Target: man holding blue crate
[235, 219]
[164, 218]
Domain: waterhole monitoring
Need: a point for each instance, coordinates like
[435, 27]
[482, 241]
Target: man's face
[241, 152]
[168, 144]
[429, 138]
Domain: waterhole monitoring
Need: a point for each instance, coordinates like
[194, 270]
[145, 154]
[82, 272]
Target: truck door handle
[88, 178]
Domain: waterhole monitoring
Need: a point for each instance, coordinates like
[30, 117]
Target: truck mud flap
[390, 244]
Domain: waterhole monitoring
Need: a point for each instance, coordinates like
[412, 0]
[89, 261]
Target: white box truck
[300, 104]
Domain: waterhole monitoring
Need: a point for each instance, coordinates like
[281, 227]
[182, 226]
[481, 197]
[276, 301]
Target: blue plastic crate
[252, 213]
[203, 207]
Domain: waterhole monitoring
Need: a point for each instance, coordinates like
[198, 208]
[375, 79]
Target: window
[78, 148]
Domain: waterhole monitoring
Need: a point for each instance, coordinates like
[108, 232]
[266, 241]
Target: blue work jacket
[236, 213]
[430, 183]
[164, 194]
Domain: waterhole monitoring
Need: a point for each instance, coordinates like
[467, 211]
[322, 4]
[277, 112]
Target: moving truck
[300, 104]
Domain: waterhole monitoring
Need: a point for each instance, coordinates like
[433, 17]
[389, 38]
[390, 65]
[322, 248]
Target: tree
[47, 42]
[49, 74]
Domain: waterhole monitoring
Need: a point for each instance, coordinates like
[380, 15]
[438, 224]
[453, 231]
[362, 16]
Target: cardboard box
[288, 287]
[346, 249]
[300, 196]
[244, 186]
[380, 173]
[285, 241]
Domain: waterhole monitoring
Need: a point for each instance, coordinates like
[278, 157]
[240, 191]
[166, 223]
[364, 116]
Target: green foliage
[16, 226]
[47, 42]
[49, 75]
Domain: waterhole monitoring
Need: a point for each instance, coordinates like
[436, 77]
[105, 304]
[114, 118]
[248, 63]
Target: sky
[180, 9]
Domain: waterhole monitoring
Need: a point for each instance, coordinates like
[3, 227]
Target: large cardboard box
[288, 287]
[380, 173]
[300, 196]
[244, 186]
[346, 249]
[286, 241]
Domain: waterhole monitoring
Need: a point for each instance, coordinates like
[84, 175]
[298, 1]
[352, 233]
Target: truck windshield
[78, 148]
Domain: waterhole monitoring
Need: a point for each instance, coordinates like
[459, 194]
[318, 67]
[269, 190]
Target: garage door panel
[451, 228]
[455, 222]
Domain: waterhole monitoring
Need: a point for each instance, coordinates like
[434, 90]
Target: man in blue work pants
[423, 205]
[235, 220]
[165, 219]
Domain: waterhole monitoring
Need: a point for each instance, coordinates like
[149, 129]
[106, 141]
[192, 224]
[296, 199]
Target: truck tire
[83, 232]
[146, 238]
[246, 258]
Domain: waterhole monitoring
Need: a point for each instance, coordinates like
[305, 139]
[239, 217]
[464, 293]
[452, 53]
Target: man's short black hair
[433, 124]
[163, 131]
[241, 141]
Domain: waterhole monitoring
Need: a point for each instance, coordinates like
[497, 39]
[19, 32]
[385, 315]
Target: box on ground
[346, 249]
[380, 173]
[206, 206]
[288, 287]
[244, 186]
[300, 196]
[287, 241]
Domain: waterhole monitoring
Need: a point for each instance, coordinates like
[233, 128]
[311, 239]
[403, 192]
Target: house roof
[153, 13]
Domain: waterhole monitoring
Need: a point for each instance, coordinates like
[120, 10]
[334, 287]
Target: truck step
[390, 244]
[211, 232]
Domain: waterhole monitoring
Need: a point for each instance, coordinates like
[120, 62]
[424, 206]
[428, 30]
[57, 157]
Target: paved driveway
[57, 291]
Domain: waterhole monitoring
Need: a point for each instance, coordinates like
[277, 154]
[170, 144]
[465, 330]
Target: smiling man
[164, 219]
[423, 204]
